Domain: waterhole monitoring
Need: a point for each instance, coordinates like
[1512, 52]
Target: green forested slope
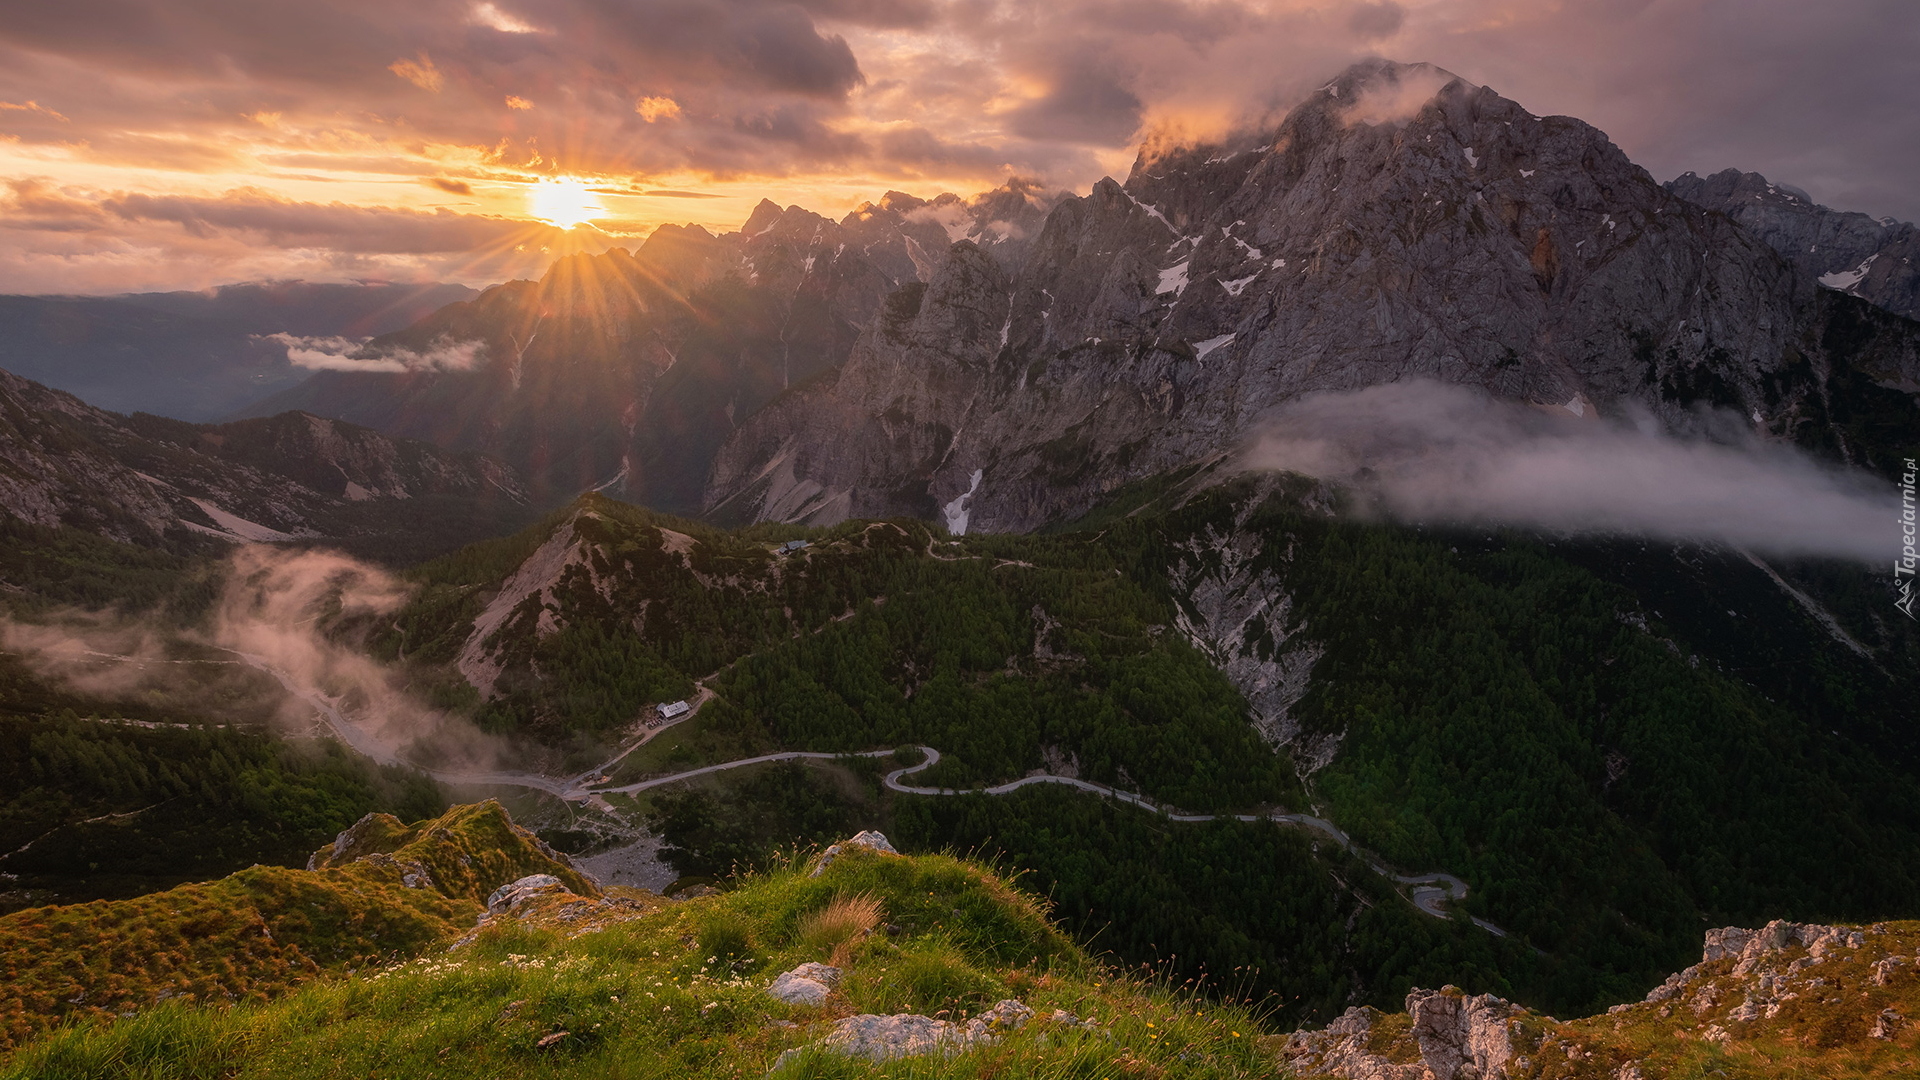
[1614, 743]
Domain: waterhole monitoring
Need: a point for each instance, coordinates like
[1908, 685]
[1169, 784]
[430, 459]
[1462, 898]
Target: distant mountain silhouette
[195, 355]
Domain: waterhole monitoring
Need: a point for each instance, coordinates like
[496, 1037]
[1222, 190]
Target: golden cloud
[420, 73]
[655, 109]
[31, 106]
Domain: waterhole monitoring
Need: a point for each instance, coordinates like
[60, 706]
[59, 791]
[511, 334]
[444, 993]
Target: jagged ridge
[149, 480]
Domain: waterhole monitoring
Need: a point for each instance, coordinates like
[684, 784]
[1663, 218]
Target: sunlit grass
[655, 997]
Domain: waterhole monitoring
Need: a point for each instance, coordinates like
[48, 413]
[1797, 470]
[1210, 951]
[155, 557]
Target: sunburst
[564, 202]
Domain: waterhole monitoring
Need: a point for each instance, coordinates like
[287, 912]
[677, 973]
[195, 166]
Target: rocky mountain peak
[765, 213]
[622, 371]
[1871, 258]
[1399, 223]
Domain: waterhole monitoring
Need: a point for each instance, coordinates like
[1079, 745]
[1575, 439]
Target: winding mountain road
[1429, 892]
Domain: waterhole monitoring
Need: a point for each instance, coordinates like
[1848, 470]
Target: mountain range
[1401, 223]
[1871, 258]
[1002, 361]
[625, 371]
[158, 482]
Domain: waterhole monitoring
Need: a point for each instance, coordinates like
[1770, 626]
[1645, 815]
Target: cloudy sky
[181, 143]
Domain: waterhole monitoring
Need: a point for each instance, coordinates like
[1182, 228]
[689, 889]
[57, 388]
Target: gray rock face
[1242, 619]
[1159, 322]
[1752, 949]
[1872, 258]
[866, 838]
[1459, 1037]
[886, 1038]
[1340, 1049]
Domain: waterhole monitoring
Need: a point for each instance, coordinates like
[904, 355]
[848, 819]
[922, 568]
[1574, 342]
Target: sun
[564, 202]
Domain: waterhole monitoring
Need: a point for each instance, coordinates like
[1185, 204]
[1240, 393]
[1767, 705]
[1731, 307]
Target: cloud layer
[341, 138]
[1428, 452]
[270, 618]
[349, 354]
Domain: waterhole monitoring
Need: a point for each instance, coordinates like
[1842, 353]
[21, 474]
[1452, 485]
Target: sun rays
[564, 202]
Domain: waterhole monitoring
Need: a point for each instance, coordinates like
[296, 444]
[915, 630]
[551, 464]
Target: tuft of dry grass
[835, 930]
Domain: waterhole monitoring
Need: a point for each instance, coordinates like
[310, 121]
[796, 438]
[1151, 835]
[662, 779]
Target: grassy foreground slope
[559, 984]
[554, 990]
[383, 890]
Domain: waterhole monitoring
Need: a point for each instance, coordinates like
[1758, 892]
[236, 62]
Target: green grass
[645, 998]
[254, 934]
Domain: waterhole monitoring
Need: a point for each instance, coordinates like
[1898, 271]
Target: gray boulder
[514, 893]
[808, 984]
[871, 1037]
[867, 838]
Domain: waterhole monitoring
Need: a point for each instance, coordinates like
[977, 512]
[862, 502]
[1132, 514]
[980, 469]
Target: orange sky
[150, 144]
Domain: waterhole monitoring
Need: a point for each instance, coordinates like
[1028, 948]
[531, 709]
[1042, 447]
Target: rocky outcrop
[1401, 223]
[511, 895]
[808, 984]
[866, 839]
[887, 1038]
[1461, 1036]
[1444, 1035]
[1871, 258]
[1785, 988]
[1240, 615]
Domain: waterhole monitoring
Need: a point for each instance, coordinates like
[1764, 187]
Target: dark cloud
[888, 14]
[802, 132]
[1378, 20]
[668, 97]
[761, 45]
[1087, 103]
[335, 225]
[918, 148]
[549, 81]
